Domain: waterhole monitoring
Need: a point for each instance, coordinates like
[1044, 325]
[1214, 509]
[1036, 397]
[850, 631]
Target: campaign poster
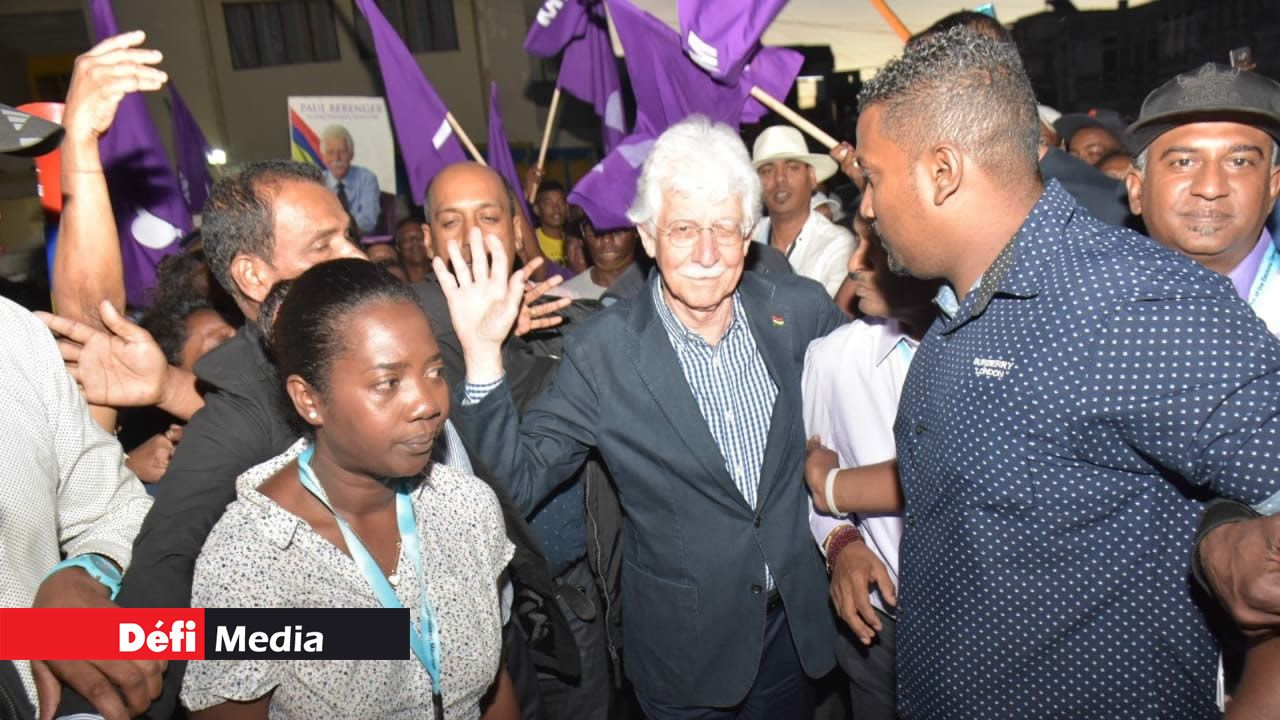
[347, 136]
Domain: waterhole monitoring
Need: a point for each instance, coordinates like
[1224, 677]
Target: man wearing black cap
[1207, 175]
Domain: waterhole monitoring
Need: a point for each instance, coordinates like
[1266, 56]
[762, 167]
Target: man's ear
[517, 235]
[253, 276]
[306, 401]
[427, 242]
[648, 240]
[946, 167]
[1133, 182]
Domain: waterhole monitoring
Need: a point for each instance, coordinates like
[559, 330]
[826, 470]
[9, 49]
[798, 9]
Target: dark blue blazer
[694, 552]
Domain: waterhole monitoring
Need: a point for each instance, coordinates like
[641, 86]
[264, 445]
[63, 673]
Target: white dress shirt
[64, 488]
[821, 251]
[851, 384]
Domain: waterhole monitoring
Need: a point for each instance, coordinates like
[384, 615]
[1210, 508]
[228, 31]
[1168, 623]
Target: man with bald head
[462, 198]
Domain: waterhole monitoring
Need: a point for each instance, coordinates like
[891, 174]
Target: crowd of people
[999, 439]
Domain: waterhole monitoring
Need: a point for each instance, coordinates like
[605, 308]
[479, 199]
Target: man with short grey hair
[356, 186]
[690, 392]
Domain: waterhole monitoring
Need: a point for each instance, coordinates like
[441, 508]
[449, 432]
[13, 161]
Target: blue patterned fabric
[733, 390]
[1057, 437]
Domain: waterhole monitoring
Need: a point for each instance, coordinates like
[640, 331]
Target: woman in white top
[356, 515]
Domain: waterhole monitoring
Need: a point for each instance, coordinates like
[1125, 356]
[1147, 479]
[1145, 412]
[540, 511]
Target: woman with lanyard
[355, 514]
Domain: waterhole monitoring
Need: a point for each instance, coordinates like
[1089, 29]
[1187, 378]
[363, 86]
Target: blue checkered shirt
[733, 389]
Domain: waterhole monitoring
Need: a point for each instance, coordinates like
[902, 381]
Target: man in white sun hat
[816, 247]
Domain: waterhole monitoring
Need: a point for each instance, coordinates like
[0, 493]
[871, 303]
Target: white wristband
[831, 500]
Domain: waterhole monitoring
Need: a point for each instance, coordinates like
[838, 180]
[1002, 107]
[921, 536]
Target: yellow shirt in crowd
[552, 248]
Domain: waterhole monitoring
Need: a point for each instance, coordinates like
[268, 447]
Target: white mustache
[698, 272]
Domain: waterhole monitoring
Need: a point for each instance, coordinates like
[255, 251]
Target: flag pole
[546, 133]
[891, 17]
[466, 141]
[793, 117]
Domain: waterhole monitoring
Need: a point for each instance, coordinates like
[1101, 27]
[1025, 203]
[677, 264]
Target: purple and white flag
[193, 154]
[588, 69]
[722, 36]
[669, 87]
[146, 200]
[498, 154]
[556, 25]
[427, 142]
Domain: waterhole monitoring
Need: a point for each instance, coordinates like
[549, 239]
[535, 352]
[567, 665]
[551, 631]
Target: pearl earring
[312, 414]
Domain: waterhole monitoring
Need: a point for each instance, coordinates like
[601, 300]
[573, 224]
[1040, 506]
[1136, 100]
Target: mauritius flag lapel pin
[777, 320]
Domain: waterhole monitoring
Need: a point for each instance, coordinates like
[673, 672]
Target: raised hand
[484, 303]
[123, 367]
[106, 73]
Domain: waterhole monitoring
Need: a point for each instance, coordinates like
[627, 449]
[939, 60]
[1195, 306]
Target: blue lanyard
[1270, 265]
[425, 640]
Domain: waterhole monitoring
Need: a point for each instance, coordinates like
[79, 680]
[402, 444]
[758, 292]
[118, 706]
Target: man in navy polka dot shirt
[1082, 394]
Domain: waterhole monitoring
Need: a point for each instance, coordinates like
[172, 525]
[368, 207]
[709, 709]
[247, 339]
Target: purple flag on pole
[192, 151]
[668, 87]
[498, 154]
[588, 69]
[427, 143]
[721, 36]
[148, 206]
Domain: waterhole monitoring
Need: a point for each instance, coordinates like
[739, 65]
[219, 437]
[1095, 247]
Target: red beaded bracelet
[841, 538]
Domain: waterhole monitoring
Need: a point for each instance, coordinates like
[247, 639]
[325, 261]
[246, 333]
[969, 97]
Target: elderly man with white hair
[356, 187]
[690, 392]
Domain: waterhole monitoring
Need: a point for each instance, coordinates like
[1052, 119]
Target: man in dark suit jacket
[690, 392]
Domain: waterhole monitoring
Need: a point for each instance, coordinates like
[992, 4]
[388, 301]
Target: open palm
[119, 367]
[484, 301]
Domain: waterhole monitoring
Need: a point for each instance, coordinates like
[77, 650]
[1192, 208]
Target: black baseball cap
[1212, 92]
[1072, 123]
[26, 135]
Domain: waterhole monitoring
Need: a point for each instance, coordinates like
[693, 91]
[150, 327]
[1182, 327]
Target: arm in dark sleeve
[533, 456]
[1194, 385]
[225, 438]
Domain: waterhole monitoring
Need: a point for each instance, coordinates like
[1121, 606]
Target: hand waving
[484, 302]
[123, 367]
[106, 73]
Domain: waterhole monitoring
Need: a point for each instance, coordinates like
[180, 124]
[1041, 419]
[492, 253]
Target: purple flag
[427, 143]
[669, 87]
[588, 69]
[556, 25]
[192, 151]
[721, 36]
[145, 199]
[498, 154]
